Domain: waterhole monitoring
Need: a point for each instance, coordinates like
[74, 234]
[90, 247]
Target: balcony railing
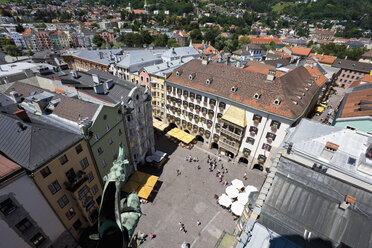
[231, 148]
[79, 180]
[231, 134]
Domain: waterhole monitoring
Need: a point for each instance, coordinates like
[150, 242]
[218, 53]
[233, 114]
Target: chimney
[100, 55]
[75, 74]
[99, 89]
[109, 84]
[21, 126]
[22, 114]
[204, 62]
[15, 96]
[270, 76]
[96, 78]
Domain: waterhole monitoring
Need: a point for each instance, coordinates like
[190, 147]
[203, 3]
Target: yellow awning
[236, 116]
[151, 181]
[145, 192]
[319, 109]
[181, 135]
[159, 124]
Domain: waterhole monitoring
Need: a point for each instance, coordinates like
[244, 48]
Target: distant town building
[366, 57]
[351, 71]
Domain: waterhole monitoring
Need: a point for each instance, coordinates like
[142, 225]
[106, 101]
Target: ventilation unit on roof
[234, 89]
[276, 102]
[208, 81]
[295, 102]
[306, 88]
[178, 73]
[257, 96]
[299, 97]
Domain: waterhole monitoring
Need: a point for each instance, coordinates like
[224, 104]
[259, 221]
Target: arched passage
[172, 125]
[199, 138]
[158, 118]
[258, 167]
[243, 160]
[214, 145]
[187, 131]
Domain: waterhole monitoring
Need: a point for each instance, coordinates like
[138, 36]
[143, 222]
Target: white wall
[29, 196]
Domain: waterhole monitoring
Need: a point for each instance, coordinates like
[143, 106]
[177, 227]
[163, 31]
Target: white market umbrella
[237, 208]
[250, 188]
[232, 191]
[237, 183]
[243, 198]
[224, 200]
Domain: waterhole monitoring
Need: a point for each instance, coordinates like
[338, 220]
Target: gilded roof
[236, 116]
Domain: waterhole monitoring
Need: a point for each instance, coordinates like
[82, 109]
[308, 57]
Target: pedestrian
[245, 176]
[151, 236]
[221, 178]
[226, 183]
[221, 166]
[180, 224]
[209, 157]
[198, 167]
[226, 171]
[198, 223]
[218, 171]
[219, 157]
[178, 172]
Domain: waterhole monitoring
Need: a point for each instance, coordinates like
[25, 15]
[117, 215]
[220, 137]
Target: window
[70, 174]
[104, 117]
[24, 225]
[266, 147]
[45, 172]
[120, 132]
[96, 136]
[270, 136]
[351, 161]
[78, 149]
[257, 118]
[104, 163]
[84, 163]
[84, 190]
[114, 155]
[250, 140]
[118, 119]
[351, 128]
[37, 240]
[63, 201]
[7, 207]
[54, 187]
[110, 141]
[90, 176]
[70, 213]
[107, 127]
[100, 150]
[77, 225]
[129, 118]
[63, 159]
[95, 189]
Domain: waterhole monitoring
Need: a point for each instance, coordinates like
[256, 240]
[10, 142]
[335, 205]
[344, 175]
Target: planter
[269, 140]
[168, 100]
[185, 106]
[253, 133]
[207, 135]
[185, 97]
[256, 122]
[245, 154]
[221, 109]
[261, 161]
[197, 110]
[196, 120]
[210, 115]
[190, 118]
[274, 128]
[173, 121]
[215, 139]
[189, 127]
[192, 98]
[173, 102]
[191, 108]
[198, 100]
[178, 104]
[205, 103]
[217, 129]
[178, 122]
[168, 118]
[195, 130]
[179, 94]
[183, 124]
[204, 113]
[201, 132]
[209, 125]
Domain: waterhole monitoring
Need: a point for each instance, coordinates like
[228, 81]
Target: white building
[241, 113]
[18, 39]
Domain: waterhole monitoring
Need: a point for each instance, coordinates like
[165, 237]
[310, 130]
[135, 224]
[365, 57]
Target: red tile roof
[326, 59]
[294, 90]
[358, 103]
[366, 80]
[7, 167]
[303, 51]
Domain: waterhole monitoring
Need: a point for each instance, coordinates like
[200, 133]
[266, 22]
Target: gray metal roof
[352, 65]
[302, 199]
[181, 52]
[32, 144]
[135, 60]
[164, 68]
[105, 57]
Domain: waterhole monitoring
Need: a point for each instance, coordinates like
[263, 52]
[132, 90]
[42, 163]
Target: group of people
[212, 164]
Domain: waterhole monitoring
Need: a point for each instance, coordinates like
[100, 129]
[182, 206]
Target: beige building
[60, 163]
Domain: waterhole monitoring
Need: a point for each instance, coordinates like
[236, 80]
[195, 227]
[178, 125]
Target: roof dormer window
[234, 89]
[306, 88]
[208, 81]
[299, 97]
[295, 102]
[257, 96]
[192, 76]
[178, 73]
[276, 102]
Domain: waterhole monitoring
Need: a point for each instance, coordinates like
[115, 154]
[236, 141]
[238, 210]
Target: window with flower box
[212, 103]
[169, 89]
[219, 116]
[167, 106]
[204, 111]
[275, 125]
[217, 127]
[246, 152]
[253, 130]
[270, 137]
[222, 106]
[196, 118]
[203, 120]
[179, 92]
[209, 123]
[257, 119]
[216, 137]
[185, 94]
[210, 113]
[261, 159]
[250, 140]
[266, 147]
[198, 98]
[207, 134]
[197, 108]
[191, 106]
[201, 130]
[192, 96]
[205, 100]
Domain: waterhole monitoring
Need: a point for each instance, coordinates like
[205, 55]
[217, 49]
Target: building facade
[224, 107]
[350, 71]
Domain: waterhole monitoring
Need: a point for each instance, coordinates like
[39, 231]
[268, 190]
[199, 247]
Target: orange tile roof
[209, 50]
[326, 59]
[304, 51]
[197, 46]
[366, 80]
[265, 40]
[285, 55]
[139, 11]
[27, 32]
[355, 106]
[320, 79]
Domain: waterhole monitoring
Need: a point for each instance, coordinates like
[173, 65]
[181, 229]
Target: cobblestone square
[189, 198]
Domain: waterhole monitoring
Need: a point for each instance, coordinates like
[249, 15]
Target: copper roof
[294, 90]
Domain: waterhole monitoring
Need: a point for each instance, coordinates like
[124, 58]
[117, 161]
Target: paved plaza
[189, 198]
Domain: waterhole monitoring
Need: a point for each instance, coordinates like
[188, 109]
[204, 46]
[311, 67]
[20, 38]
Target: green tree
[244, 41]
[210, 35]
[196, 36]
[98, 40]
[160, 40]
[173, 43]
[146, 37]
[12, 50]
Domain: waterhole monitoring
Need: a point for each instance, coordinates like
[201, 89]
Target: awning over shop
[159, 125]
[181, 135]
[142, 183]
[236, 116]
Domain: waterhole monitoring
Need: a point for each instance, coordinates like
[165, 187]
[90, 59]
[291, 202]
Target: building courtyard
[189, 198]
